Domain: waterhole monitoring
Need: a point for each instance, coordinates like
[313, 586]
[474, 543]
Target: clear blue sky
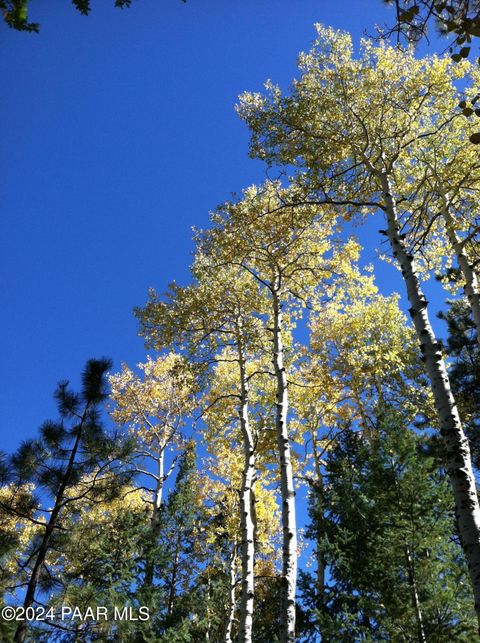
[118, 134]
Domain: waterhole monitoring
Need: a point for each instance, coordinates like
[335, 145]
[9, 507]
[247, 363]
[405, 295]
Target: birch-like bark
[207, 631]
[457, 450]
[414, 592]
[470, 286]
[156, 513]
[158, 493]
[289, 557]
[232, 599]
[247, 522]
[172, 592]
[318, 490]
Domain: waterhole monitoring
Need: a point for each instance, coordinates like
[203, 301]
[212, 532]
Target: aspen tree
[289, 251]
[448, 178]
[221, 309]
[224, 486]
[155, 407]
[223, 437]
[352, 123]
[362, 357]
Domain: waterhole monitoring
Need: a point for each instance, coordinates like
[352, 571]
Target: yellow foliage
[350, 118]
[156, 403]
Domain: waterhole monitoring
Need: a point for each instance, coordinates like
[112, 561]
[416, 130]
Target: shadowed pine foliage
[396, 572]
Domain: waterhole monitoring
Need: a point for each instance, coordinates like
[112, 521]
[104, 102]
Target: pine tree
[179, 559]
[395, 572]
[96, 565]
[72, 453]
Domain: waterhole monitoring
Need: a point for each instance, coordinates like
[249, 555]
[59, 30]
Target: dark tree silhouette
[15, 12]
[73, 458]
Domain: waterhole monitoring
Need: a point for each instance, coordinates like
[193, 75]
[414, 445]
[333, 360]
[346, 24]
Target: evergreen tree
[176, 597]
[72, 459]
[98, 566]
[395, 572]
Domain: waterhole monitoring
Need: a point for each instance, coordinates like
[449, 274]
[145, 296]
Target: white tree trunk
[156, 515]
[232, 599]
[414, 592]
[158, 493]
[246, 510]
[319, 490]
[173, 578]
[289, 564]
[457, 450]
[469, 276]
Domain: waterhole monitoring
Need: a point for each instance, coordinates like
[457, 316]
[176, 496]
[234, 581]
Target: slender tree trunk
[457, 450]
[414, 592]
[207, 631]
[173, 579]
[247, 522]
[232, 599]
[318, 490]
[410, 565]
[21, 631]
[320, 572]
[470, 286]
[158, 494]
[155, 518]
[289, 564]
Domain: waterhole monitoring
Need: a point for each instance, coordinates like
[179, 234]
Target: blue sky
[118, 134]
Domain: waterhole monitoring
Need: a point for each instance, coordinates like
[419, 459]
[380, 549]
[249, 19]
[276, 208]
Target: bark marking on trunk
[289, 562]
[247, 522]
[232, 598]
[457, 448]
[469, 275]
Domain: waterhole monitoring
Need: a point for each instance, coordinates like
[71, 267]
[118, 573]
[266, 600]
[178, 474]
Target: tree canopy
[280, 374]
